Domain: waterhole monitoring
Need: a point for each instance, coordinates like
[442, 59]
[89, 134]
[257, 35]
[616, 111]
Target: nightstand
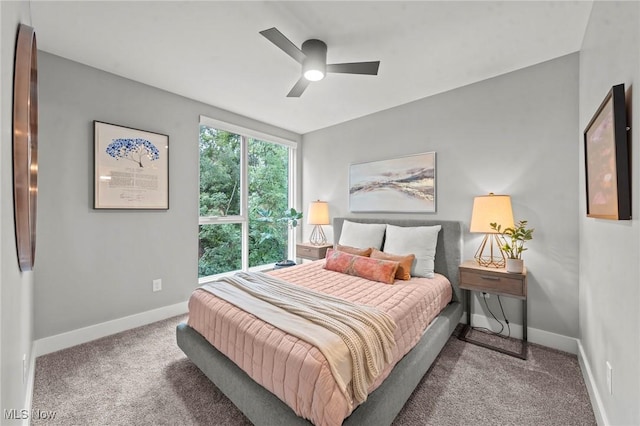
[312, 252]
[474, 277]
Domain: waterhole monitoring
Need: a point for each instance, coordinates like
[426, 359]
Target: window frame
[243, 218]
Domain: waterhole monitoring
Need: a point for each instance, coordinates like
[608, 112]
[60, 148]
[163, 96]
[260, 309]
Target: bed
[383, 404]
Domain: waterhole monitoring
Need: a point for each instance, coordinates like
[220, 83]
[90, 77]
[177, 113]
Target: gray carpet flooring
[140, 377]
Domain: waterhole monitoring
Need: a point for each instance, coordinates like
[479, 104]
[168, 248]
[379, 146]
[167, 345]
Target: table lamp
[318, 215]
[489, 209]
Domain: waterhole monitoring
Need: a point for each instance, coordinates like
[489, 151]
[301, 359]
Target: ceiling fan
[313, 57]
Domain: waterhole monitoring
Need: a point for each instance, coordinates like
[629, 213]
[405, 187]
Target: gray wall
[514, 134]
[16, 288]
[97, 265]
[609, 250]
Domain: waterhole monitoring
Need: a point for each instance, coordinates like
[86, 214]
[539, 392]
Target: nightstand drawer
[311, 252]
[493, 283]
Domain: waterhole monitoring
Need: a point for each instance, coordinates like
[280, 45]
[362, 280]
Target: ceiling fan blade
[370, 68]
[298, 88]
[277, 38]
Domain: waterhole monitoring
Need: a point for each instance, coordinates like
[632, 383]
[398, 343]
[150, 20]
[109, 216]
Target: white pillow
[362, 235]
[419, 240]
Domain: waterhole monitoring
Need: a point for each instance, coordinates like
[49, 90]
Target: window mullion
[244, 199]
[291, 234]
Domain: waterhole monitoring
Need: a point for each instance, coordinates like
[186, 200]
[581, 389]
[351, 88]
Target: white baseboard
[31, 374]
[534, 335]
[589, 380]
[82, 335]
[553, 340]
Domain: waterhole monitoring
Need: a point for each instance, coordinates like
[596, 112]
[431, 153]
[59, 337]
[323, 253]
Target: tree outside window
[221, 198]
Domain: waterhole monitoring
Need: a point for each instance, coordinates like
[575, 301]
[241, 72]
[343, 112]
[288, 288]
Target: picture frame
[131, 168]
[606, 153]
[399, 185]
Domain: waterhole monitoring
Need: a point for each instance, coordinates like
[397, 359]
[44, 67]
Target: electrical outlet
[24, 368]
[157, 285]
[609, 378]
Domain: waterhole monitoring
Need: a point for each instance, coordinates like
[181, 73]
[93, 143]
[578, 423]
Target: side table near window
[474, 277]
[312, 252]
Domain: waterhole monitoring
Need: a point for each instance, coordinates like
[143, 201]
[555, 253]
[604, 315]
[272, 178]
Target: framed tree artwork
[606, 154]
[131, 168]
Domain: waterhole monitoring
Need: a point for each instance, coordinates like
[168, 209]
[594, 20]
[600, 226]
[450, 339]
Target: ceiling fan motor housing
[314, 65]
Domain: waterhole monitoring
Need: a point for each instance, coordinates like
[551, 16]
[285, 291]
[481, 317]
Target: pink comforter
[292, 369]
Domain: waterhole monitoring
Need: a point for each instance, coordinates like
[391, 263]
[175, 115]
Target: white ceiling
[212, 51]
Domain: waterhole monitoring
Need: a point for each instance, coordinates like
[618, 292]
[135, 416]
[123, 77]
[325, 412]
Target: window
[245, 189]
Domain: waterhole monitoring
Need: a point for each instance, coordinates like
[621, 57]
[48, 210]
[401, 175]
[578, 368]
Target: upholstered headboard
[448, 248]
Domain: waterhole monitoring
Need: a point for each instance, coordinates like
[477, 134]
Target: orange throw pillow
[405, 262]
[380, 270]
[355, 250]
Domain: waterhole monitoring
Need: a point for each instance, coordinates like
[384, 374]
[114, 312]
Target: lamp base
[317, 236]
[490, 261]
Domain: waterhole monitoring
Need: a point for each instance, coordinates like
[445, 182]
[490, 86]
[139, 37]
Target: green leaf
[516, 235]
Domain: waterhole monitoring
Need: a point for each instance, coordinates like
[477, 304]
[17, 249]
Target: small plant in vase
[290, 218]
[273, 231]
[513, 240]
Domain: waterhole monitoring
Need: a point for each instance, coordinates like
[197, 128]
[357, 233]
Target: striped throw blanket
[366, 331]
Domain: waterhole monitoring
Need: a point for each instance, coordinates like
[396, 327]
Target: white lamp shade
[318, 213]
[491, 209]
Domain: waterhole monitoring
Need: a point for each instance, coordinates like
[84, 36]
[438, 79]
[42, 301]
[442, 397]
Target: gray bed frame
[383, 405]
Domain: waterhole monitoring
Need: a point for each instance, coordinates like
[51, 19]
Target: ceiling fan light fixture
[313, 75]
[314, 65]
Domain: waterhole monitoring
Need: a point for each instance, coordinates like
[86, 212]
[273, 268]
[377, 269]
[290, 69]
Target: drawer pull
[486, 277]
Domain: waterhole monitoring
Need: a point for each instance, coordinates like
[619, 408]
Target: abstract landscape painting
[406, 184]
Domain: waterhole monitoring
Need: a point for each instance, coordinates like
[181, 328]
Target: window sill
[212, 278]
